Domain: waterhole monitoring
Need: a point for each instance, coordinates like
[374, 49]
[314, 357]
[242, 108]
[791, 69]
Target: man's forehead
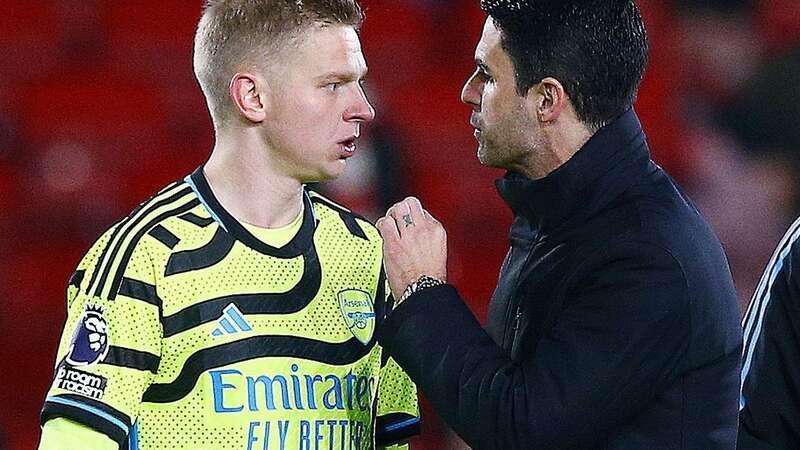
[489, 42]
[341, 50]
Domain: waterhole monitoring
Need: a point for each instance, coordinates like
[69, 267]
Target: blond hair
[239, 34]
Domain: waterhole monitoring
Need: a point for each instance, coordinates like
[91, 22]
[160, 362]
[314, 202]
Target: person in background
[765, 118]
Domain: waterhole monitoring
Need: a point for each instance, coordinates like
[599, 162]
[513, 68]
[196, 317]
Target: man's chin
[324, 174]
[485, 157]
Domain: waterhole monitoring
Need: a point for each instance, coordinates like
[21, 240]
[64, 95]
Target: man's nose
[360, 110]
[471, 93]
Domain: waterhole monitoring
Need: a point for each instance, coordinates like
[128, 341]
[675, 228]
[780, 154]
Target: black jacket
[770, 403]
[614, 324]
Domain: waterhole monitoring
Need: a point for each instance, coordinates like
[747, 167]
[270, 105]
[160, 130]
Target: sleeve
[620, 340]
[770, 400]
[398, 416]
[396, 447]
[64, 434]
[398, 409]
[111, 342]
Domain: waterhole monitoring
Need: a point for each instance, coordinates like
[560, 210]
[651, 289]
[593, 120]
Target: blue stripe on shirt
[403, 424]
[89, 409]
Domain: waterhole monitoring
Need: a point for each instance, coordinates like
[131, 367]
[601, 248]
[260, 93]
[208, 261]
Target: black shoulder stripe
[348, 217]
[136, 224]
[77, 278]
[129, 251]
[251, 348]
[99, 266]
[118, 229]
[197, 220]
[295, 299]
[140, 290]
[206, 256]
[168, 187]
[164, 236]
[122, 231]
[395, 428]
[91, 413]
[132, 359]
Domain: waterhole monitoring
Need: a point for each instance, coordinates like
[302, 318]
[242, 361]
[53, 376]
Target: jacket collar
[610, 162]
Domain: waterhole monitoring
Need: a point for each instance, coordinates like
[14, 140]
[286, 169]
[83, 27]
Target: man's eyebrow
[345, 76]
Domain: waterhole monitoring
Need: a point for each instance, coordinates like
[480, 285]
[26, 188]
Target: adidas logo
[231, 322]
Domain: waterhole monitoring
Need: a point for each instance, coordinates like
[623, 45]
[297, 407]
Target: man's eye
[333, 87]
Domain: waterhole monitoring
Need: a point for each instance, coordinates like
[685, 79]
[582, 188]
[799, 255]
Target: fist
[414, 244]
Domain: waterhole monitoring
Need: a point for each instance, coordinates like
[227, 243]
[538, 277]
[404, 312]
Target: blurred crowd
[99, 108]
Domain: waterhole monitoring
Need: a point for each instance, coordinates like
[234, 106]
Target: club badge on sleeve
[90, 339]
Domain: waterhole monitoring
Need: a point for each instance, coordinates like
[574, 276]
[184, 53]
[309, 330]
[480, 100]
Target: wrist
[421, 283]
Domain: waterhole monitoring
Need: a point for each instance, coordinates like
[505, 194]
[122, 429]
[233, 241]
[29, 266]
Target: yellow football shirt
[187, 331]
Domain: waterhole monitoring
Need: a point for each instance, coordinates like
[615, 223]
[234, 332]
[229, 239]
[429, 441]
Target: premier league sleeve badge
[90, 339]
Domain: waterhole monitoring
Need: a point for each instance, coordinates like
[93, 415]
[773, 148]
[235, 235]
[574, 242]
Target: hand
[414, 244]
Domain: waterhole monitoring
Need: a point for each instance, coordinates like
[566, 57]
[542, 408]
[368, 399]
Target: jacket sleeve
[770, 401]
[621, 337]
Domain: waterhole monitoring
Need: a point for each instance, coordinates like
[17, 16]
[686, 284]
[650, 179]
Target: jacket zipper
[515, 326]
[518, 305]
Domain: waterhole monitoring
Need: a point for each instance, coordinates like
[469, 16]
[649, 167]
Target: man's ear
[547, 100]
[248, 93]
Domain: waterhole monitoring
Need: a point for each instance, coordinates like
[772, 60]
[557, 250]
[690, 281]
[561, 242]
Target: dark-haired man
[614, 324]
[235, 309]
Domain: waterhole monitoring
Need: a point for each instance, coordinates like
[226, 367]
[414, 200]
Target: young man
[234, 309]
[614, 324]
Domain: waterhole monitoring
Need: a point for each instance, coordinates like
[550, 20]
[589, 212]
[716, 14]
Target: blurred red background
[99, 108]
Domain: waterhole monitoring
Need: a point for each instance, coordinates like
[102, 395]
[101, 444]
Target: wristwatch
[422, 283]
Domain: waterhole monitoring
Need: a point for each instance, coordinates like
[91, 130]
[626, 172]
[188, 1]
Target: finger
[423, 213]
[404, 208]
[395, 212]
[402, 216]
[388, 228]
[414, 207]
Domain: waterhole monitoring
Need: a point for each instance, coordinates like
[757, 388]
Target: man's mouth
[473, 120]
[347, 147]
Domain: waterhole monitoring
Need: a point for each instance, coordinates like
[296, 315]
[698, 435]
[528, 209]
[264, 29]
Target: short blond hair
[237, 34]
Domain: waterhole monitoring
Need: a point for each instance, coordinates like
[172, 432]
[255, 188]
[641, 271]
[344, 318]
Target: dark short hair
[597, 49]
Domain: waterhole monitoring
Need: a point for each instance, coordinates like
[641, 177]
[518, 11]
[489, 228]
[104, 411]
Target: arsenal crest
[358, 313]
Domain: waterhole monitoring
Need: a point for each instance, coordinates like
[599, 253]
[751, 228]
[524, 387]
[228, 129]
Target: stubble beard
[484, 153]
[492, 153]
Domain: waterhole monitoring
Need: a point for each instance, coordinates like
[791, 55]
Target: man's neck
[559, 146]
[249, 187]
